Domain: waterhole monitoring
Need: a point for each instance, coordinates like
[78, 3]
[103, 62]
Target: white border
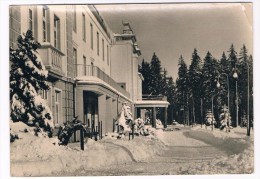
[4, 81]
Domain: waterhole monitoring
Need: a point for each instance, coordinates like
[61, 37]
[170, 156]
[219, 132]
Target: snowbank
[41, 156]
[239, 147]
[140, 148]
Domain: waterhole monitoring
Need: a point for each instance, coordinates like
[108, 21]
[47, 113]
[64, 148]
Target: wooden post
[101, 129]
[81, 139]
[96, 133]
[92, 128]
[154, 117]
[165, 117]
[113, 125]
[133, 131]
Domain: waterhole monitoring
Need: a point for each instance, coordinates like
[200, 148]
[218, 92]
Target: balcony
[88, 70]
[52, 59]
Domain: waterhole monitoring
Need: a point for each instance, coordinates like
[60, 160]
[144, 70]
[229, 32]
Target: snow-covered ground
[38, 156]
[239, 147]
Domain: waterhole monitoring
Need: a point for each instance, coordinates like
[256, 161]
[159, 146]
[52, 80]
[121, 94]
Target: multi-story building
[91, 71]
[124, 68]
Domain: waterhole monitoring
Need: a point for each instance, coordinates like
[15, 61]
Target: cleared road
[181, 152]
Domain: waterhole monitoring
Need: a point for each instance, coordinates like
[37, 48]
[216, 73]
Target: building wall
[84, 46]
[62, 83]
[14, 24]
[121, 66]
[124, 67]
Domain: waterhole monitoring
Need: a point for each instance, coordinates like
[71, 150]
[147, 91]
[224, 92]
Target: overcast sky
[172, 30]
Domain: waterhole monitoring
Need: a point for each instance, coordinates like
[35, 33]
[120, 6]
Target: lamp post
[235, 75]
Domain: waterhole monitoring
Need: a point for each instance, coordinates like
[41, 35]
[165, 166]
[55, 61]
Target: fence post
[101, 129]
[113, 125]
[133, 131]
[81, 139]
[92, 128]
[96, 133]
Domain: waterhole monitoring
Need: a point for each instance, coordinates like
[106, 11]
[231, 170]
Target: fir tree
[145, 71]
[244, 68]
[224, 79]
[156, 77]
[194, 80]
[182, 89]
[210, 71]
[232, 58]
[27, 77]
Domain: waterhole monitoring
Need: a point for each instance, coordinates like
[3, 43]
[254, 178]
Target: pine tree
[182, 90]
[224, 79]
[27, 77]
[243, 66]
[156, 77]
[232, 58]
[251, 103]
[170, 93]
[194, 80]
[210, 71]
[146, 72]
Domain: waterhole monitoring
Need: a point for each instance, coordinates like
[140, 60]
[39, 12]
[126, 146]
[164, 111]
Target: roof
[95, 80]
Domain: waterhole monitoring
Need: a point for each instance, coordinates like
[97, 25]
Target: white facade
[85, 63]
[94, 44]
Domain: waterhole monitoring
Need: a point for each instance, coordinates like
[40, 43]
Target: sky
[171, 30]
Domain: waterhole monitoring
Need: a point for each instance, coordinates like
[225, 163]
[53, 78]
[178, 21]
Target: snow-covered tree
[27, 77]
[156, 77]
[195, 80]
[182, 88]
[145, 70]
[210, 72]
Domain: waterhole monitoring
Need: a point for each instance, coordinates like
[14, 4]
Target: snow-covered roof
[97, 81]
[151, 103]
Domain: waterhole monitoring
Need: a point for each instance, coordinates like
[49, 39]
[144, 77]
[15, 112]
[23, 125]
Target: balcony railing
[89, 70]
[52, 59]
[154, 97]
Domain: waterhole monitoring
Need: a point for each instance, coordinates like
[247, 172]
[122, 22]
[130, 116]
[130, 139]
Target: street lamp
[235, 75]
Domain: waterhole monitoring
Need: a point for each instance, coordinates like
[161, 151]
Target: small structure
[152, 102]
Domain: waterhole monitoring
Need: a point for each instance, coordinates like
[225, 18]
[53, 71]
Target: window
[30, 20]
[107, 55]
[91, 35]
[44, 24]
[44, 94]
[56, 32]
[85, 65]
[103, 50]
[57, 106]
[97, 43]
[84, 27]
[74, 19]
[75, 61]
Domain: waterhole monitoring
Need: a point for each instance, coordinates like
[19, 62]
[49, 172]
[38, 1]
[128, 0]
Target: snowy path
[181, 152]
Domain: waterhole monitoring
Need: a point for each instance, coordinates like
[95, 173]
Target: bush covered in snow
[27, 77]
[66, 131]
